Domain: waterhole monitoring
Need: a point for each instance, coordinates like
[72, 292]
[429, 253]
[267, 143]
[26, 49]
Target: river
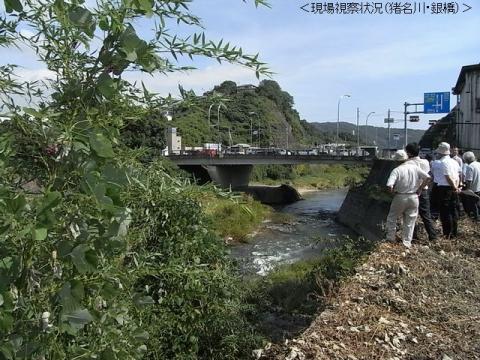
[307, 228]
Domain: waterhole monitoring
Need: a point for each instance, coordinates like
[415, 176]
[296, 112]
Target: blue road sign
[437, 102]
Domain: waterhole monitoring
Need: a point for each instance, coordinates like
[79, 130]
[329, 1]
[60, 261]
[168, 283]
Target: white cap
[443, 148]
[469, 157]
[400, 155]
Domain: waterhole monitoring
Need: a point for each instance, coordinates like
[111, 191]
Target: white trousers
[406, 207]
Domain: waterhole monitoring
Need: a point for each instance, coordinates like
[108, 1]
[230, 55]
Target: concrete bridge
[233, 170]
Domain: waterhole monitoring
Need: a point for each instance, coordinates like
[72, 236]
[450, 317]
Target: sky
[382, 61]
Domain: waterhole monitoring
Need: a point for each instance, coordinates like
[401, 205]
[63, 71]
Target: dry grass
[423, 303]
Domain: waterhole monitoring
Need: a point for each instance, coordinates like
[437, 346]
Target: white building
[174, 142]
[468, 117]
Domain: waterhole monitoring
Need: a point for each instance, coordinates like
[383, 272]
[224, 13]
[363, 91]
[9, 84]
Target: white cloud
[25, 74]
[200, 80]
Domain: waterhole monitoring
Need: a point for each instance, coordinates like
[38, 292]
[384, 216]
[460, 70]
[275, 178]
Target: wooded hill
[263, 115]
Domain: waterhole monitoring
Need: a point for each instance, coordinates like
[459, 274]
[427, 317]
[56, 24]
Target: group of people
[423, 187]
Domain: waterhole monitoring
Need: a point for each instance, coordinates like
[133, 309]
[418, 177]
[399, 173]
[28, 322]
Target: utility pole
[358, 131]
[286, 131]
[218, 128]
[366, 127]
[405, 123]
[388, 140]
[251, 131]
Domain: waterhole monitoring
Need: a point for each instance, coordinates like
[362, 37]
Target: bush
[197, 308]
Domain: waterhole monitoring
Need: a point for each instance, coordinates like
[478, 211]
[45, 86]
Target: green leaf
[6, 263]
[143, 300]
[64, 248]
[101, 145]
[39, 234]
[6, 322]
[103, 24]
[83, 258]
[141, 335]
[7, 351]
[114, 175]
[78, 318]
[27, 350]
[15, 205]
[70, 296]
[33, 112]
[1, 300]
[106, 85]
[11, 5]
[146, 5]
[99, 191]
[83, 19]
[49, 201]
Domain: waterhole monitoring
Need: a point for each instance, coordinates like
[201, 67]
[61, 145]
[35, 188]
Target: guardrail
[264, 158]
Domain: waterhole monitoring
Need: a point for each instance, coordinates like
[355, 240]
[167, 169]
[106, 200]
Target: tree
[228, 88]
[65, 291]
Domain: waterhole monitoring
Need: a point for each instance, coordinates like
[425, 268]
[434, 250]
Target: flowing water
[306, 230]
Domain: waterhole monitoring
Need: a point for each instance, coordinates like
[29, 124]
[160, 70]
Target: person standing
[436, 172]
[413, 150]
[448, 187]
[406, 181]
[472, 178]
[456, 156]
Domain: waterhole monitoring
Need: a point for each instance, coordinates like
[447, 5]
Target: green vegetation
[233, 216]
[310, 176]
[228, 214]
[297, 291]
[101, 255]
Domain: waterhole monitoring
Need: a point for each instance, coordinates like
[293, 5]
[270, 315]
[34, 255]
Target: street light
[251, 128]
[338, 117]
[366, 127]
[218, 123]
[209, 112]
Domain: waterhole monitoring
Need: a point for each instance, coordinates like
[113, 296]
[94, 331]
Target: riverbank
[236, 216]
[420, 303]
[314, 177]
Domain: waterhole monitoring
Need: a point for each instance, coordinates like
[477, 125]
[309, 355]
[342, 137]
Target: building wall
[174, 142]
[468, 127]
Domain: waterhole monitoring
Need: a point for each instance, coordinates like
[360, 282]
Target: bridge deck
[230, 159]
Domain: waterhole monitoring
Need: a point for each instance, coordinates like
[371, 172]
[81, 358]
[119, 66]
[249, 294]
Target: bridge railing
[331, 157]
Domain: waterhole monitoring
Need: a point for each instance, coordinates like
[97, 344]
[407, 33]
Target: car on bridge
[284, 152]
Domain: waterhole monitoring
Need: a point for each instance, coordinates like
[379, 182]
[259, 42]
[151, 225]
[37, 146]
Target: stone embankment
[273, 195]
[421, 303]
[365, 208]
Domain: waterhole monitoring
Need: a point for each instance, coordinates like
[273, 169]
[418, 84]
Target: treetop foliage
[75, 281]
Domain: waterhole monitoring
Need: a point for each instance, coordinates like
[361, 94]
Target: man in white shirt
[436, 172]
[413, 150]
[406, 181]
[458, 159]
[472, 178]
[448, 187]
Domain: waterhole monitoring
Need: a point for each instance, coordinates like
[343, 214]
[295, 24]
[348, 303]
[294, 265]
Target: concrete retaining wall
[365, 209]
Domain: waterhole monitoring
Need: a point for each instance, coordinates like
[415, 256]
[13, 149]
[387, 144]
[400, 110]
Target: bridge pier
[234, 176]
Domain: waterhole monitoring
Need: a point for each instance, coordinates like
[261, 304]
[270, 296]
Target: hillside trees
[74, 280]
[263, 117]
